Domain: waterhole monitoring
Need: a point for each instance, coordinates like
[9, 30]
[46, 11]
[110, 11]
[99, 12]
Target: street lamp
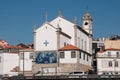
[23, 64]
[115, 65]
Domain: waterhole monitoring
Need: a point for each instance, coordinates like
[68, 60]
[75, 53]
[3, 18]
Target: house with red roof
[9, 60]
[72, 58]
[108, 62]
[3, 43]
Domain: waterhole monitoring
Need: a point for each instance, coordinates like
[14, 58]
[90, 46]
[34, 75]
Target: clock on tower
[87, 23]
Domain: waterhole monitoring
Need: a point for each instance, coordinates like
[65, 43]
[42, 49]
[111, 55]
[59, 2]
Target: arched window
[116, 63]
[110, 64]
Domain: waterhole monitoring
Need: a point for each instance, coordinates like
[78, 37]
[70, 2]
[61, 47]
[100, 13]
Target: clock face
[86, 23]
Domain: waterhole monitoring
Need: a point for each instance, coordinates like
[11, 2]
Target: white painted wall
[27, 62]
[9, 61]
[63, 40]
[86, 46]
[1, 63]
[85, 62]
[46, 32]
[83, 37]
[68, 58]
[103, 61]
[66, 27]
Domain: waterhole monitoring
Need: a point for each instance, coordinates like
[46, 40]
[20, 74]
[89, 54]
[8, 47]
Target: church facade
[62, 46]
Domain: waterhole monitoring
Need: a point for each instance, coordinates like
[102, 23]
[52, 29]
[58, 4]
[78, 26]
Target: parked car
[77, 74]
[19, 76]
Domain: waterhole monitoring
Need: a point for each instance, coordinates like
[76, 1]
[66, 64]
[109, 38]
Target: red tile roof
[69, 47]
[8, 47]
[109, 49]
[102, 51]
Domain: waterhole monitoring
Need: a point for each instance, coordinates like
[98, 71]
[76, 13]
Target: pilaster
[58, 43]
[75, 34]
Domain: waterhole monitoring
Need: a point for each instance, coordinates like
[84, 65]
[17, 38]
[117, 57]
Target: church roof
[81, 29]
[69, 47]
[66, 35]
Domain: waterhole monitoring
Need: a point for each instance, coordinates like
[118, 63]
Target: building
[12, 59]
[51, 37]
[9, 60]
[108, 62]
[97, 45]
[112, 44]
[26, 61]
[72, 58]
[3, 44]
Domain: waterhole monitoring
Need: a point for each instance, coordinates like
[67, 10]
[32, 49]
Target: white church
[62, 46]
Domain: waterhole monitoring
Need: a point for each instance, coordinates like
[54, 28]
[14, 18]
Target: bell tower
[87, 22]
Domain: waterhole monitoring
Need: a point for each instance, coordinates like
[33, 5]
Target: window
[86, 23]
[73, 54]
[80, 55]
[85, 46]
[110, 64]
[109, 54]
[62, 55]
[64, 43]
[87, 57]
[117, 54]
[82, 44]
[84, 56]
[31, 55]
[116, 63]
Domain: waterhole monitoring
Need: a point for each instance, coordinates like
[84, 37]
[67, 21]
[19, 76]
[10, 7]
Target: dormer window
[117, 54]
[109, 54]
